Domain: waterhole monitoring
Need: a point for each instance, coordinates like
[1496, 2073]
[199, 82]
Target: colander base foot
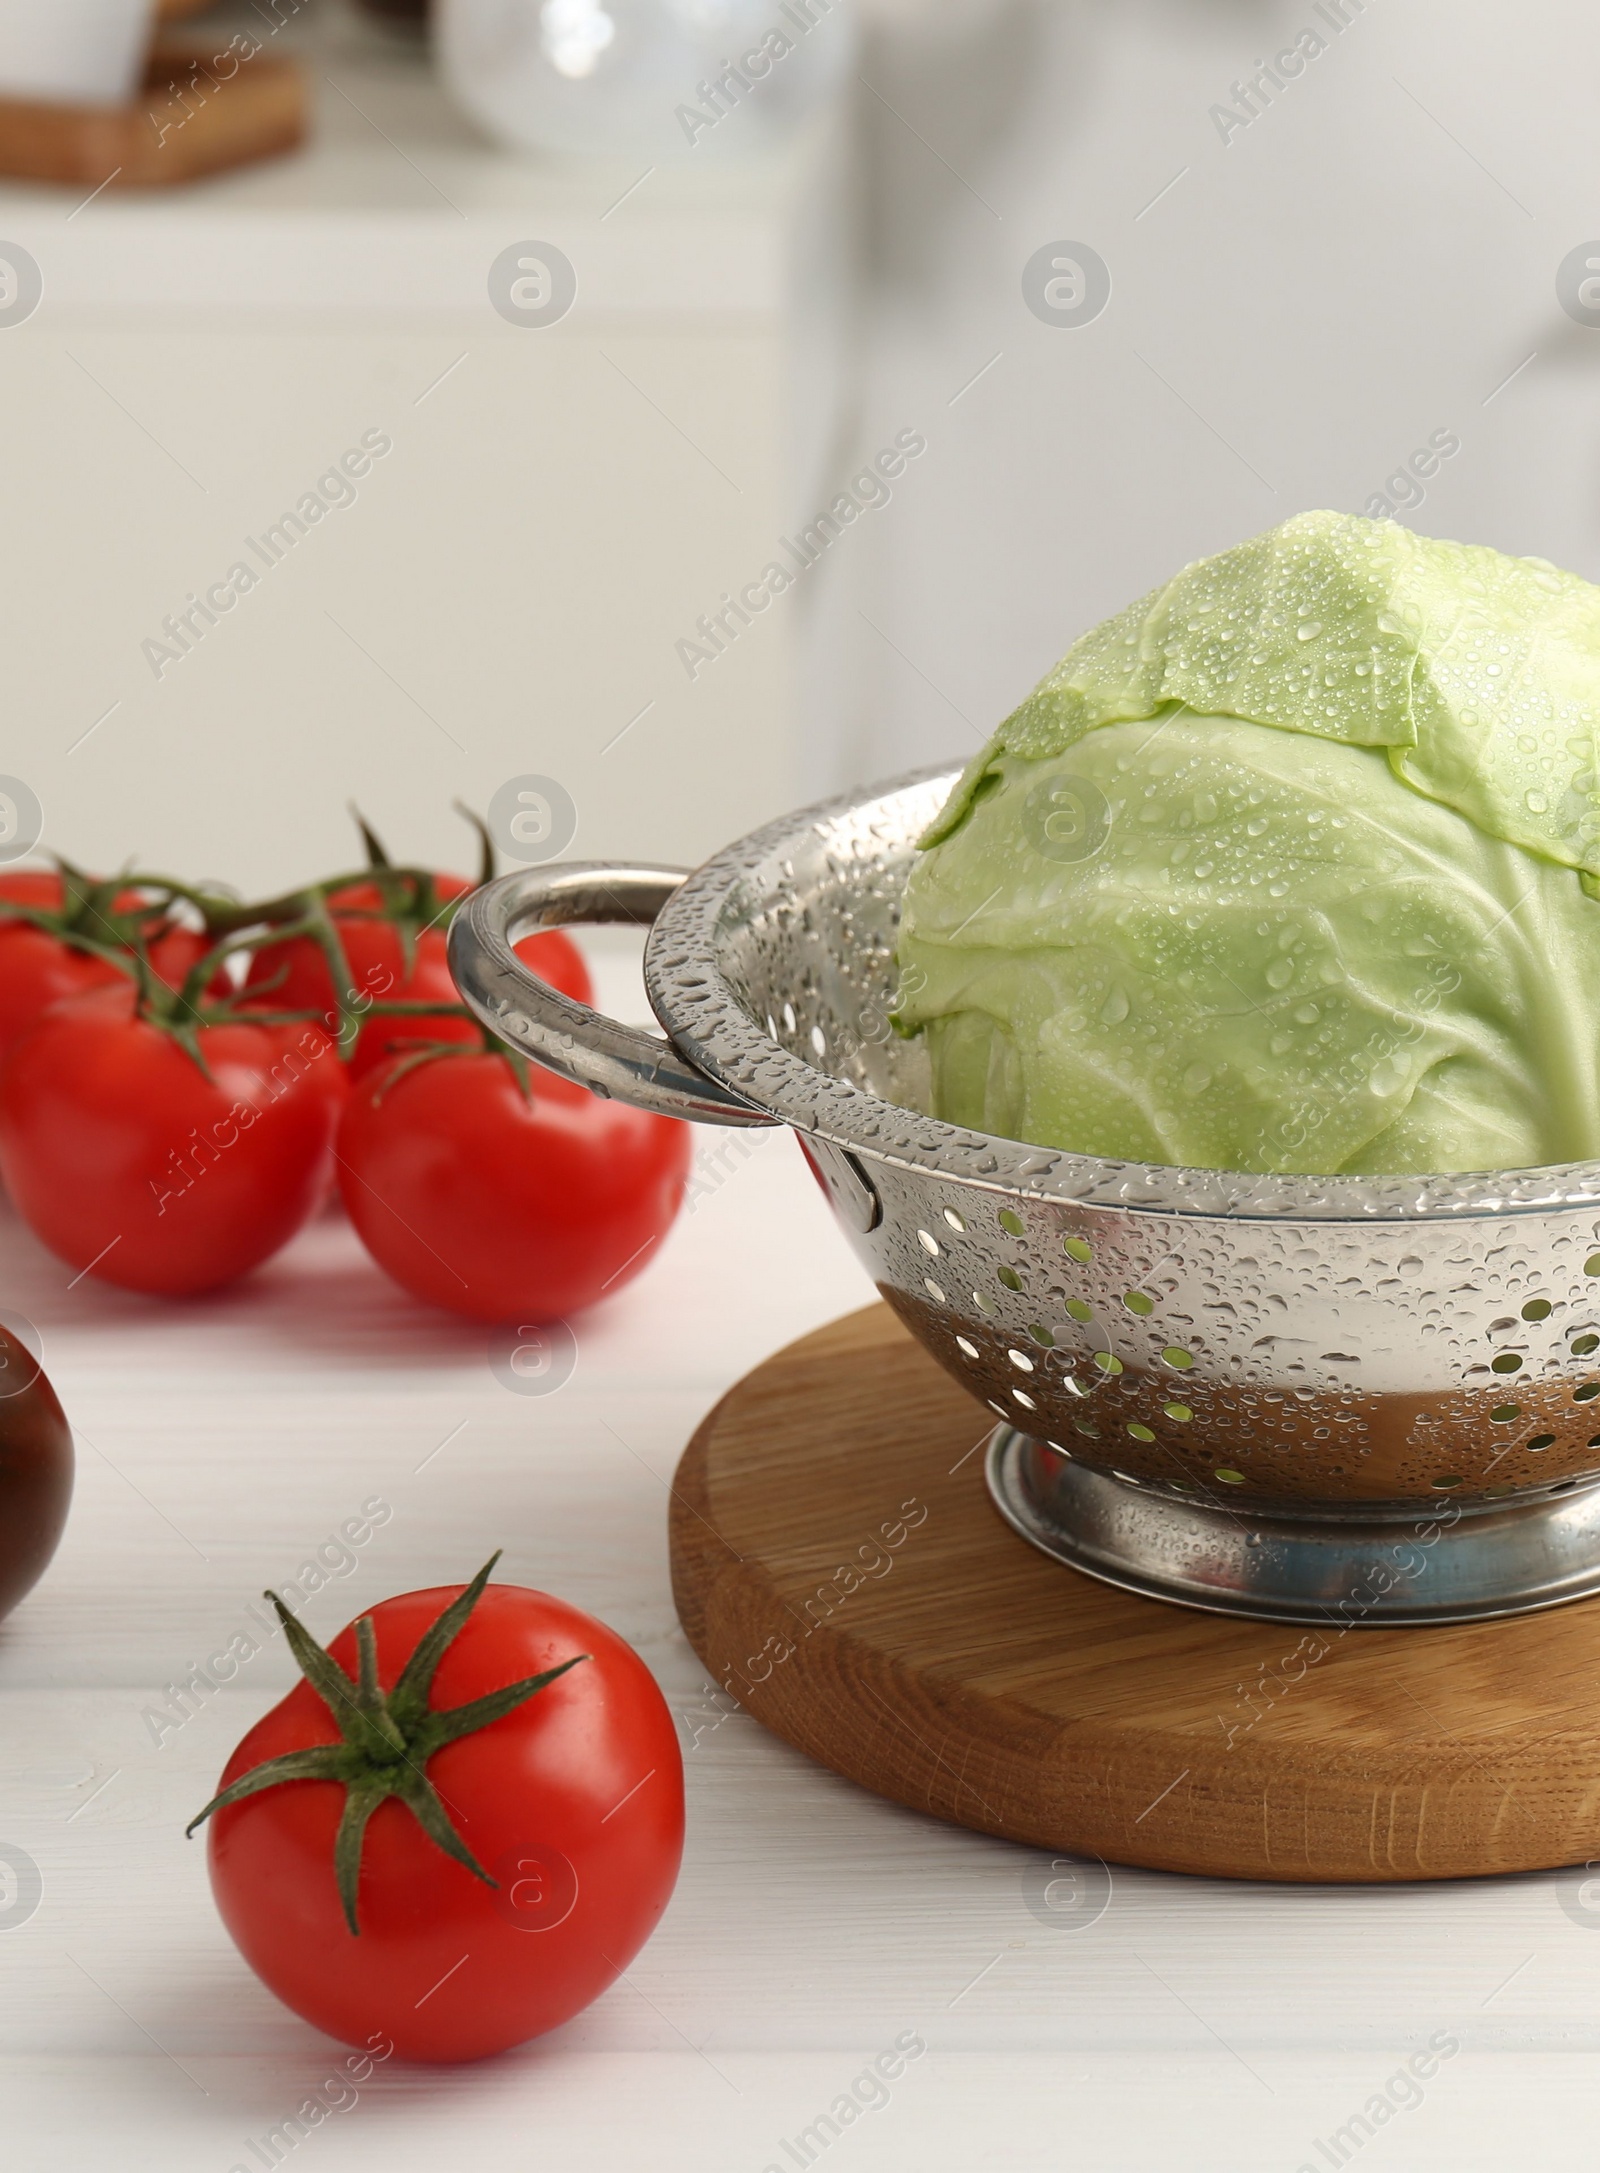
[1353, 1573]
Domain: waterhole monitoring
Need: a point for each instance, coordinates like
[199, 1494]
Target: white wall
[1299, 311]
[1319, 294]
[506, 596]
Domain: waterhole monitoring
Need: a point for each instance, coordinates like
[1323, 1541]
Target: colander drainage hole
[934, 1291]
[1229, 1477]
[1537, 1309]
[953, 1219]
[1506, 1362]
[1009, 1278]
[1138, 1302]
[967, 1350]
[1010, 1221]
[1582, 1345]
[1079, 1249]
[1592, 1265]
[1504, 1413]
[1021, 1360]
[929, 1243]
[1587, 1393]
[1140, 1433]
[1537, 1445]
[1443, 1485]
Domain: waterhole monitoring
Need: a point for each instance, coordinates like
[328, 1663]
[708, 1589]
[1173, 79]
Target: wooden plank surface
[1194, 2023]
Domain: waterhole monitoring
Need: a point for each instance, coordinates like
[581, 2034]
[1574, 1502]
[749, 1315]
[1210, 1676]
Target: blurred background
[506, 352]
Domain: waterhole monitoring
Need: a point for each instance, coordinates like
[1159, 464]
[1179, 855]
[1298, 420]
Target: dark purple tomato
[35, 1470]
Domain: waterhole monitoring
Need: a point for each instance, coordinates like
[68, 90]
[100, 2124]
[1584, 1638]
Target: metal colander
[1370, 1399]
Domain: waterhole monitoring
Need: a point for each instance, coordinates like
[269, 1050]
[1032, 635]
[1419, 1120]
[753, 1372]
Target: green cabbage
[1292, 866]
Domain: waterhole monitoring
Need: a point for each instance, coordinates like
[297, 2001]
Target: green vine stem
[385, 1741]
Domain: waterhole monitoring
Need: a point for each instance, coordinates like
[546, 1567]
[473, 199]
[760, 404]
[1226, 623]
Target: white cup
[74, 52]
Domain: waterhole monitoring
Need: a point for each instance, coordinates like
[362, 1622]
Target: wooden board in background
[191, 119]
[838, 1566]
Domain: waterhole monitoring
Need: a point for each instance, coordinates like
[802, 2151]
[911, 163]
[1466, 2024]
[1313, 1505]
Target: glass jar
[649, 79]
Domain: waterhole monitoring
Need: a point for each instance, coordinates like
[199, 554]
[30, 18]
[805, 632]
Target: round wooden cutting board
[840, 1570]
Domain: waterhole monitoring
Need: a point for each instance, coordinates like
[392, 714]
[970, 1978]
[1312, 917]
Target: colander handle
[566, 1037]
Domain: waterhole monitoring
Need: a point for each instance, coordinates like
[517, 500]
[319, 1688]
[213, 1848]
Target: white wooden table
[1192, 2025]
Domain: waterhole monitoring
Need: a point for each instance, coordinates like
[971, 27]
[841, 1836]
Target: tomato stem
[409, 896]
[89, 918]
[385, 1741]
[93, 917]
[430, 1052]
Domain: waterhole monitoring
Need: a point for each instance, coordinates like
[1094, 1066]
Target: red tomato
[122, 1155]
[376, 958]
[38, 969]
[494, 1204]
[571, 1801]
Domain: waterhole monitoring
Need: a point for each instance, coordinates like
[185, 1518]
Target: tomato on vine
[492, 1188]
[163, 1141]
[393, 924]
[64, 935]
